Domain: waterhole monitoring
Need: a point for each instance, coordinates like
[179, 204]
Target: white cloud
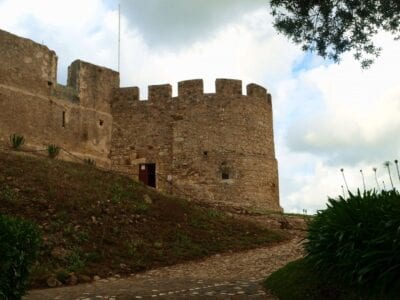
[172, 23]
[334, 116]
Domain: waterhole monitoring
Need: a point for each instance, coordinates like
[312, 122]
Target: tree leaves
[333, 27]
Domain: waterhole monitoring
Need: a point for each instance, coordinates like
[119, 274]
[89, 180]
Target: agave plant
[356, 241]
[363, 179]
[53, 150]
[16, 141]
[396, 162]
[387, 165]
[376, 178]
[344, 195]
[344, 179]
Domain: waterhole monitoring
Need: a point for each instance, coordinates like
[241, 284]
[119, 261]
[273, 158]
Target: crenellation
[218, 148]
[228, 86]
[255, 90]
[188, 88]
[160, 92]
[129, 94]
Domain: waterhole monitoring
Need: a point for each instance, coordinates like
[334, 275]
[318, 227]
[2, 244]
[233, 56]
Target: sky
[326, 116]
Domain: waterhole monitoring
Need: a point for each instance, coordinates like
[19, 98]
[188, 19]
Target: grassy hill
[95, 222]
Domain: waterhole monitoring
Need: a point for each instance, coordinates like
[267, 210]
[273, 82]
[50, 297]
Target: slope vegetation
[95, 222]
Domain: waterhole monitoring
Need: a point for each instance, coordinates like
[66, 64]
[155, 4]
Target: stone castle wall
[76, 117]
[215, 147]
[195, 137]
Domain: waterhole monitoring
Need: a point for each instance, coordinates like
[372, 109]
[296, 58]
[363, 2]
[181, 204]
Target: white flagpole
[119, 36]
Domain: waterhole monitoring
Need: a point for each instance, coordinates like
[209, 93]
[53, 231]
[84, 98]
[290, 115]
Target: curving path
[226, 276]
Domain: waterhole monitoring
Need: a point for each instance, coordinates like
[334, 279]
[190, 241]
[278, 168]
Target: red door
[147, 174]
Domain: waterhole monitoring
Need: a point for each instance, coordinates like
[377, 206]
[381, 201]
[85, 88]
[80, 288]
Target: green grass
[94, 222]
[298, 280]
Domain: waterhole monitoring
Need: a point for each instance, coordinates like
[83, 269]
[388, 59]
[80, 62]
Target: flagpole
[119, 36]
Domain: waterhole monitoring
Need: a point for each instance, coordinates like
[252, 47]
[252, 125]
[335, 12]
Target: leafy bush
[90, 161]
[357, 240]
[16, 141]
[7, 194]
[53, 150]
[19, 246]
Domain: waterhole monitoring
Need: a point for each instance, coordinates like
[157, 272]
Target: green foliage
[298, 280]
[118, 193]
[75, 261]
[332, 28]
[7, 194]
[357, 240]
[16, 141]
[53, 150]
[90, 161]
[19, 246]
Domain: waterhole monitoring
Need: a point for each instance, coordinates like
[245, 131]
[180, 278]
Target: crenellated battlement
[161, 92]
[217, 146]
[189, 89]
[228, 87]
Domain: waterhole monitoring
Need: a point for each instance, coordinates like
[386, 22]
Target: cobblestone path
[227, 276]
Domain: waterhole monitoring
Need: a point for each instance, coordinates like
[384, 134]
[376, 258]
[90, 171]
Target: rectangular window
[225, 175]
[63, 119]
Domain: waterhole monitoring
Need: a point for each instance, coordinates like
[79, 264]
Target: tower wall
[76, 117]
[216, 147]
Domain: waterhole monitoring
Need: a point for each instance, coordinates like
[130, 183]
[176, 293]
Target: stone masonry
[215, 147]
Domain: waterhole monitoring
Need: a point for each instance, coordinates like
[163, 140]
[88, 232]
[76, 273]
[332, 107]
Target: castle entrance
[147, 174]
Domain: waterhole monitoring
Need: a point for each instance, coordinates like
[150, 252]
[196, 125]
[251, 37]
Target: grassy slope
[298, 281]
[99, 223]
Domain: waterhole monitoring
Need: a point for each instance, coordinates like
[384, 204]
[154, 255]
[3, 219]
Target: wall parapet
[228, 86]
[160, 92]
[189, 89]
[65, 93]
[193, 87]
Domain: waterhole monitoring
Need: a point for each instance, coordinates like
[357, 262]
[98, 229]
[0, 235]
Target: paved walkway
[227, 276]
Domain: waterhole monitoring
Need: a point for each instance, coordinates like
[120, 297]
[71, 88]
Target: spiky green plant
[356, 241]
[344, 179]
[376, 179]
[16, 141]
[387, 165]
[53, 150]
[90, 161]
[396, 162]
[363, 179]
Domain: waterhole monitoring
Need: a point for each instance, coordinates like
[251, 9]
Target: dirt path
[226, 276]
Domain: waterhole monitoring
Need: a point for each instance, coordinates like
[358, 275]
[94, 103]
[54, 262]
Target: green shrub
[7, 194]
[53, 150]
[16, 141]
[357, 240]
[90, 161]
[19, 246]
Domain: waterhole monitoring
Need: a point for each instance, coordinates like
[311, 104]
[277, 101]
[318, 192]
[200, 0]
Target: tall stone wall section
[76, 117]
[217, 147]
